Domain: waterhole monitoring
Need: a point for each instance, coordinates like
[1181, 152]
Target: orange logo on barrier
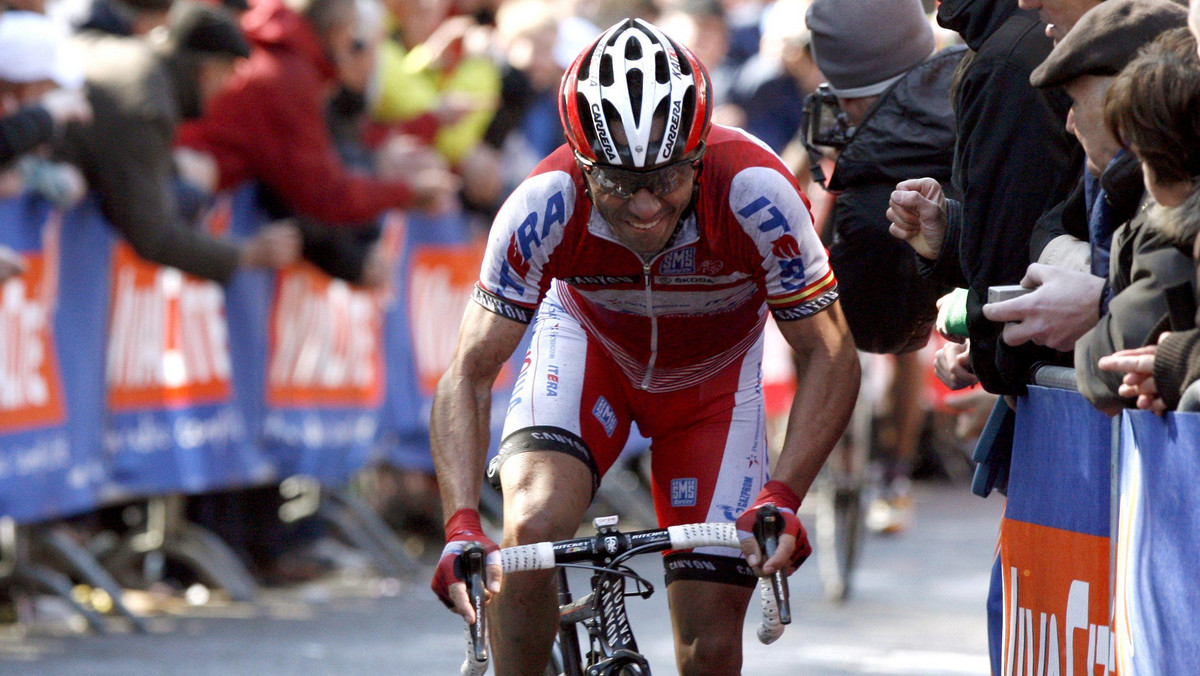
[440, 284]
[1056, 610]
[325, 342]
[30, 389]
[168, 339]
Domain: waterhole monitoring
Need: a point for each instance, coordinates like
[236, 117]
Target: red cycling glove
[785, 499]
[462, 528]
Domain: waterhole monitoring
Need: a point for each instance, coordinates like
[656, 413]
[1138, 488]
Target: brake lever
[472, 562]
[767, 527]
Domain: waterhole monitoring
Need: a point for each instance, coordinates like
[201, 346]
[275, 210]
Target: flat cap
[1106, 38]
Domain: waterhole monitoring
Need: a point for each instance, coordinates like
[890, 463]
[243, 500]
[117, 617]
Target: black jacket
[1013, 161]
[125, 154]
[909, 132]
[23, 131]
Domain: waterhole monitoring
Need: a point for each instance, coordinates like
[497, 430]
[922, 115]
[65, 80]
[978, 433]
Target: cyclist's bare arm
[460, 423]
[826, 390]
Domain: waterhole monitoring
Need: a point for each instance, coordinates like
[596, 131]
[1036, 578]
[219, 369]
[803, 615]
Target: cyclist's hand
[794, 547]
[448, 582]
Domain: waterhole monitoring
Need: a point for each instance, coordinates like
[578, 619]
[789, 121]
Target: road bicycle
[840, 491]
[613, 649]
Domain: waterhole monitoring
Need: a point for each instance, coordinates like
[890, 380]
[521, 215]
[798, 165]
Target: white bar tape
[539, 556]
[693, 535]
[470, 667]
[770, 629]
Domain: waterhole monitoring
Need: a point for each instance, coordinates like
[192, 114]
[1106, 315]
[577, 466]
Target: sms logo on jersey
[681, 262]
[683, 492]
[605, 415]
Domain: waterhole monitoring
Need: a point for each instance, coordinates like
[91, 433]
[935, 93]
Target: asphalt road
[918, 608]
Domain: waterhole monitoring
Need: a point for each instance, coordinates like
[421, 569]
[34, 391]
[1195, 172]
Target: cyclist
[646, 253]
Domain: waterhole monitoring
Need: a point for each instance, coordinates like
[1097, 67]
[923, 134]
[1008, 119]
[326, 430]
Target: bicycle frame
[613, 647]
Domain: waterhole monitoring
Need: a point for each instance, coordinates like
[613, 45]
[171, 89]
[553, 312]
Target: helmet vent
[607, 77]
[633, 49]
[660, 68]
[634, 78]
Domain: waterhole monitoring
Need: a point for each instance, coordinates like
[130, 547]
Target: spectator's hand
[11, 263]
[917, 210]
[729, 115]
[67, 105]
[377, 268]
[454, 106]
[1064, 305]
[952, 363]
[448, 42]
[403, 156]
[482, 172]
[12, 183]
[276, 245]
[1138, 366]
[435, 191]
[74, 185]
[974, 407]
[197, 168]
[448, 584]
[794, 547]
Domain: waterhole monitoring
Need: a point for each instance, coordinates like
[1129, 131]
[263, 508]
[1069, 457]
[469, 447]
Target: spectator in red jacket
[269, 122]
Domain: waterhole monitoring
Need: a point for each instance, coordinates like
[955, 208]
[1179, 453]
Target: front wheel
[839, 522]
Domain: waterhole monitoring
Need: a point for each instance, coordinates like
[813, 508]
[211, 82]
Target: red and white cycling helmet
[635, 99]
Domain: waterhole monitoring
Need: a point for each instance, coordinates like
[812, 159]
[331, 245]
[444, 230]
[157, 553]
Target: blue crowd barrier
[168, 385]
[438, 267]
[49, 465]
[1054, 538]
[1157, 599]
[1070, 594]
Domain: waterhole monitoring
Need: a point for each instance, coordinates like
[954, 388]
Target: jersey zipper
[646, 267]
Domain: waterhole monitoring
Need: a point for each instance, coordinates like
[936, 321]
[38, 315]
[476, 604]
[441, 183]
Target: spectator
[1013, 161]
[125, 17]
[1071, 293]
[771, 86]
[701, 25]
[894, 90]
[437, 79]
[140, 91]
[33, 66]
[268, 124]
[31, 51]
[1059, 15]
[1153, 107]
[526, 32]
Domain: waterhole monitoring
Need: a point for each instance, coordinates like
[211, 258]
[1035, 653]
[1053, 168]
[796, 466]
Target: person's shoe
[891, 515]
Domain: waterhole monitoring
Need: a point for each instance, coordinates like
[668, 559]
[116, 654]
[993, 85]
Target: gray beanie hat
[863, 46]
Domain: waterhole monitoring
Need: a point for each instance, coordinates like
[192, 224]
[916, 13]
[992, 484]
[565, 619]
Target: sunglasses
[624, 183]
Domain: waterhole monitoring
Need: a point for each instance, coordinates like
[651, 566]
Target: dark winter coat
[909, 132]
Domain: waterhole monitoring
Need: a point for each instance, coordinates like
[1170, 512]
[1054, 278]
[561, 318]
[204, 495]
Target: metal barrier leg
[169, 535]
[37, 577]
[349, 527]
[212, 561]
[56, 543]
[388, 544]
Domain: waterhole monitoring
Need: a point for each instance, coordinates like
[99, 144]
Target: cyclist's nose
[644, 204]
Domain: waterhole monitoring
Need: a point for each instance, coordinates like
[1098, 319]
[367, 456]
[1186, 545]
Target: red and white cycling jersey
[747, 244]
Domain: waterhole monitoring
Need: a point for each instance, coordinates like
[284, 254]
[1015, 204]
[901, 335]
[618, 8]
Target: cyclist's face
[643, 208]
